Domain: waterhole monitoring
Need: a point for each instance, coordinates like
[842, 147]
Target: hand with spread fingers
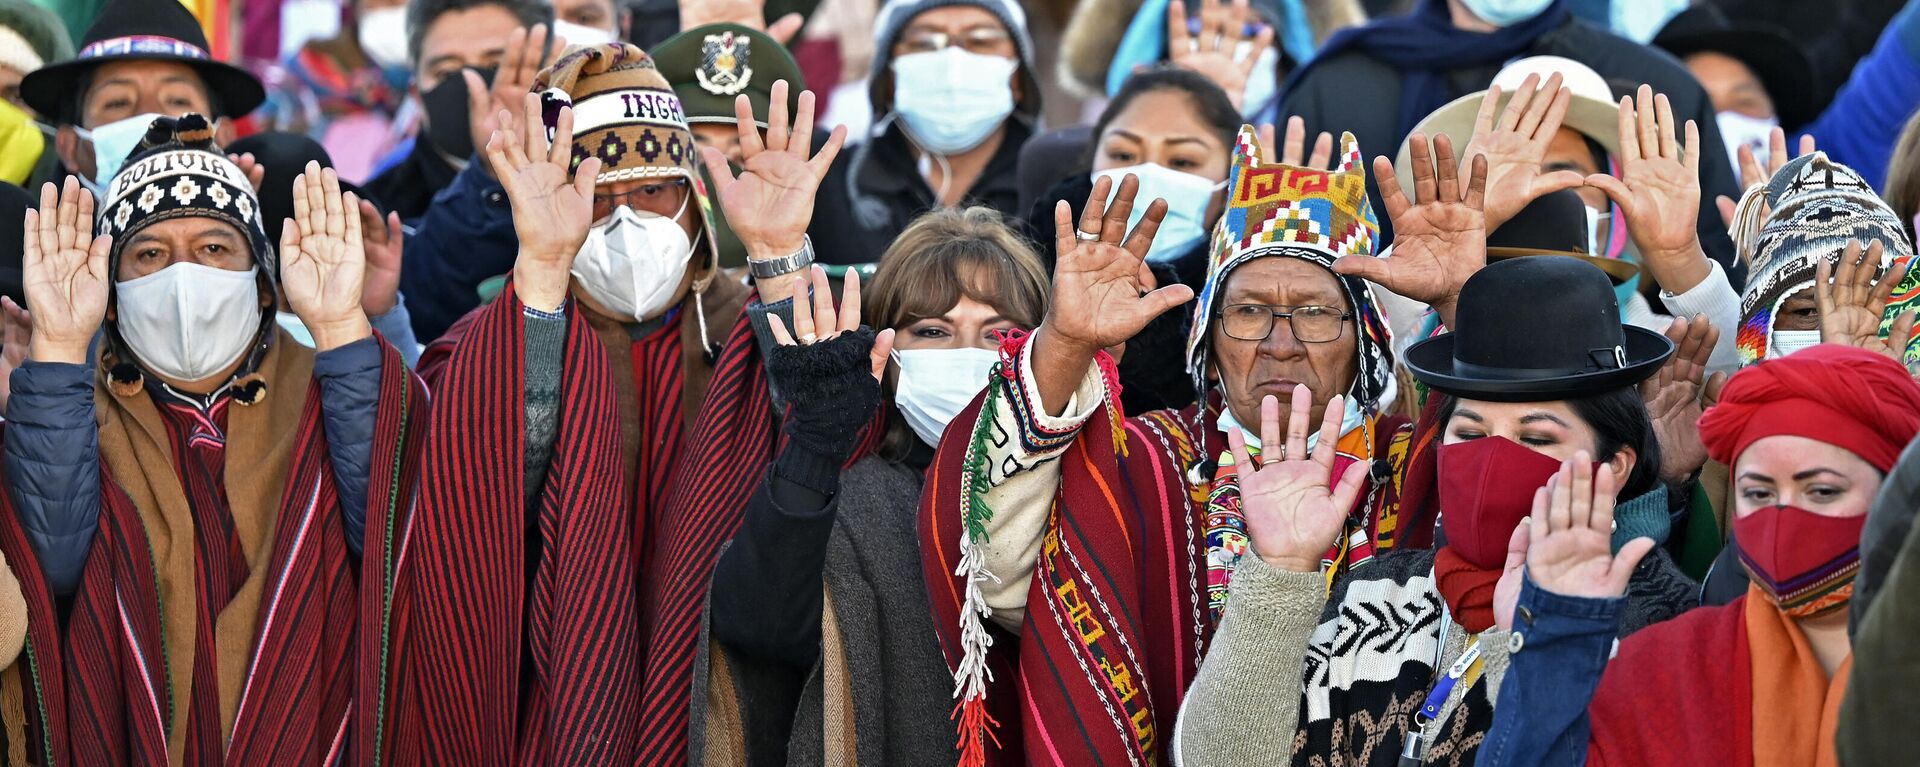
[1515, 140]
[1852, 302]
[385, 241]
[323, 259]
[1294, 510]
[1673, 397]
[1294, 151]
[1570, 544]
[64, 270]
[751, 14]
[552, 206]
[770, 203]
[829, 367]
[1210, 43]
[527, 53]
[1658, 191]
[1440, 237]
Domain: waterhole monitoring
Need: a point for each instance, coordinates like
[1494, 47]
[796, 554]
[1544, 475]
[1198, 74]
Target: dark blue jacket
[1864, 121]
[465, 237]
[52, 451]
[1560, 648]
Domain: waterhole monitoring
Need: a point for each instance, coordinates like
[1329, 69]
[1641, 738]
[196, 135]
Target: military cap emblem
[725, 64]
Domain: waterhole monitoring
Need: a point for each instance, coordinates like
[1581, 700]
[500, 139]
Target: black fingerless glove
[830, 392]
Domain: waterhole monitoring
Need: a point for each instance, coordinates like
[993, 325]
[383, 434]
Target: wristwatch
[788, 264]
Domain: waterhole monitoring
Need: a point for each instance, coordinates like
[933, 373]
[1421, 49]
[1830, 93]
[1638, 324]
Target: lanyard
[1467, 667]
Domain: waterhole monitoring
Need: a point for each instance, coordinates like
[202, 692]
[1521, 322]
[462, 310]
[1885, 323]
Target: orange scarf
[1795, 703]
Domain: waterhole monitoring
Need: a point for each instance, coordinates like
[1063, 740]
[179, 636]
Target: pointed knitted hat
[1288, 211]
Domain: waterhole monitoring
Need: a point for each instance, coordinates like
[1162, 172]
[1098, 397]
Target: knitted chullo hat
[178, 172]
[1316, 216]
[1818, 206]
[626, 114]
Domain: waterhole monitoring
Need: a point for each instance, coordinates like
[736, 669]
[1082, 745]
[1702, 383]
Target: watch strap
[787, 264]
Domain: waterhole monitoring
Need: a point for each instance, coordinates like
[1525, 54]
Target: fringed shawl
[298, 658]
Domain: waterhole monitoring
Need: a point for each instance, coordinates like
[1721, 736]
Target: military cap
[710, 65]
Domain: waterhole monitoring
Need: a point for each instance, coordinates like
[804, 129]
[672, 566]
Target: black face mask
[446, 105]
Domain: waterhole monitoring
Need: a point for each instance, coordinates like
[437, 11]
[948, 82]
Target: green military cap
[710, 65]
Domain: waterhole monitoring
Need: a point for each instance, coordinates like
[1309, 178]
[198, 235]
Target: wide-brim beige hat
[1592, 112]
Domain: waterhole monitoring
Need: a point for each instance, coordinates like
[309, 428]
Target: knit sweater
[1279, 687]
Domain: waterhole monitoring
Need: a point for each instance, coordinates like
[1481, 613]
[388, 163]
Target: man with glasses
[954, 96]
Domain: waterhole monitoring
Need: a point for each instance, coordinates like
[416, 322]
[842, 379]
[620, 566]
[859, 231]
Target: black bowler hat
[142, 30]
[1537, 330]
[1780, 63]
[1554, 224]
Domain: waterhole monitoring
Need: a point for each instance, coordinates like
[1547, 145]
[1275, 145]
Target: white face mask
[383, 36]
[189, 321]
[952, 99]
[633, 263]
[1187, 197]
[1785, 342]
[1506, 13]
[111, 145]
[1755, 133]
[580, 34]
[936, 384]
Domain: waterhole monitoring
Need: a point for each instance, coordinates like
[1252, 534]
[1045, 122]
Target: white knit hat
[16, 53]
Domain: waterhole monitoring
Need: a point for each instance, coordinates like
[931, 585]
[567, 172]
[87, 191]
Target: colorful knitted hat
[624, 113]
[1293, 212]
[178, 172]
[1818, 206]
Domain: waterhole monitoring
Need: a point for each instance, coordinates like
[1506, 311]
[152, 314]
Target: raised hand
[1752, 175]
[812, 316]
[1515, 142]
[323, 259]
[1571, 551]
[384, 241]
[1852, 303]
[770, 204]
[64, 270]
[1440, 238]
[1293, 510]
[747, 13]
[255, 172]
[1506, 591]
[13, 345]
[1658, 191]
[552, 207]
[527, 53]
[1209, 44]
[1100, 282]
[1673, 397]
[1293, 152]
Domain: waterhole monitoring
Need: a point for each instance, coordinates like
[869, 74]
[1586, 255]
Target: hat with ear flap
[1317, 216]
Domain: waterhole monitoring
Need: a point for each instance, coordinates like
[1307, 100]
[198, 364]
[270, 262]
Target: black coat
[875, 189]
[409, 186]
[1355, 92]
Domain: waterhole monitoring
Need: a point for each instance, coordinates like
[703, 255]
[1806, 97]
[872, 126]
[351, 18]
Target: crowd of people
[489, 382]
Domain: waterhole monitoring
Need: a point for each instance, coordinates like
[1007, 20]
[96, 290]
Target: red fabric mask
[1805, 561]
[1486, 487]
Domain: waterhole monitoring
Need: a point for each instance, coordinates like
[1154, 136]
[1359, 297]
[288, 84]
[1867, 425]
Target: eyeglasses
[662, 198]
[1310, 324]
[981, 40]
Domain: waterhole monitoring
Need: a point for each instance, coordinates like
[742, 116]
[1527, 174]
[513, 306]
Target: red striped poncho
[613, 659]
[110, 688]
[1117, 618]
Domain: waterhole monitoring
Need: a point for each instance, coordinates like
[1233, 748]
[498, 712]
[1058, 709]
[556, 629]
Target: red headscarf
[1843, 396]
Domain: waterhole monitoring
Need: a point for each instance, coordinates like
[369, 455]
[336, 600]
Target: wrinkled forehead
[1283, 281]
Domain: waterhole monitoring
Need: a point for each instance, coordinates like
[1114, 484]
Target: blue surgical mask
[952, 99]
[112, 143]
[1187, 197]
[1262, 83]
[1506, 13]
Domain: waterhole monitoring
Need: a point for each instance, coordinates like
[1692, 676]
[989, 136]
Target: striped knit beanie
[178, 172]
[1818, 206]
[624, 112]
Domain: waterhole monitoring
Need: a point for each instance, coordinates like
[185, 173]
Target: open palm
[1659, 185]
[1515, 144]
[552, 205]
[1100, 276]
[64, 273]
[1440, 237]
[1211, 47]
[1852, 302]
[1293, 510]
[323, 258]
[1571, 548]
[770, 203]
